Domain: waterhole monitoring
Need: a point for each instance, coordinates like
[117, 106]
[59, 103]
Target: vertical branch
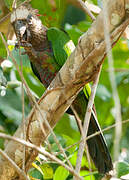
[79, 123]
[118, 118]
[23, 102]
[23, 115]
[23, 118]
[86, 123]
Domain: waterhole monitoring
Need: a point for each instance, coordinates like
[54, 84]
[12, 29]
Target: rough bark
[80, 68]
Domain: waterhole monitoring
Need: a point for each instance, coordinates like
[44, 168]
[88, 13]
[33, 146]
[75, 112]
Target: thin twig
[41, 151]
[118, 70]
[23, 118]
[17, 169]
[23, 106]
[118, 118]
[90, 136]
[54, 136]
[14, 4]
[86, 123]
[96, 133]
[43, 130]
[79, 123]
[87, 11]
[88, 158]
[23, 103]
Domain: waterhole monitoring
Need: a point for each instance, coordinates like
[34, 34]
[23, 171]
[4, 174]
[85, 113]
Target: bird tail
[98, 148]
[97, 145]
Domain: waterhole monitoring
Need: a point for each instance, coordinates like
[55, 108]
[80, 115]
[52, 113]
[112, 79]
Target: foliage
[56, 13]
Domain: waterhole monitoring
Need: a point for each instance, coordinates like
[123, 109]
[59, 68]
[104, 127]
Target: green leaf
[33, 82]
[122, 169]
[2, 141]
[11, 106]
[3, 52]
[120, 55]
[76, 13]
[73, 160]
[67, 126]
[34, 174]
[103, 93]
[85, 175]
[69, 141]
[121, 76]
[73, 32]
[24, 58]
[9, 3]
[61, 173]
[47, 171]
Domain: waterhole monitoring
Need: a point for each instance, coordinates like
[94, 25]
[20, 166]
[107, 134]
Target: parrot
[48, 50]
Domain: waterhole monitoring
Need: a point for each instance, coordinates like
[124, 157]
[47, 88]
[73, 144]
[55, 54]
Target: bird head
[27, 25]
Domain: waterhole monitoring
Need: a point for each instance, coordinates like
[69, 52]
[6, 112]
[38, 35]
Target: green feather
[62, 47]
[58, 40]
[87, 90]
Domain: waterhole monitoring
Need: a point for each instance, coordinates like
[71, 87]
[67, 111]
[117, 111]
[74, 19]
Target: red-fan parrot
[48, 49]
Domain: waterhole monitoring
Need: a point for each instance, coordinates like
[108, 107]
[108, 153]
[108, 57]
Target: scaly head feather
[28, 27]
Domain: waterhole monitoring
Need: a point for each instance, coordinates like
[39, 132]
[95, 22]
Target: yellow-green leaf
[61, 173]
[47, 171]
